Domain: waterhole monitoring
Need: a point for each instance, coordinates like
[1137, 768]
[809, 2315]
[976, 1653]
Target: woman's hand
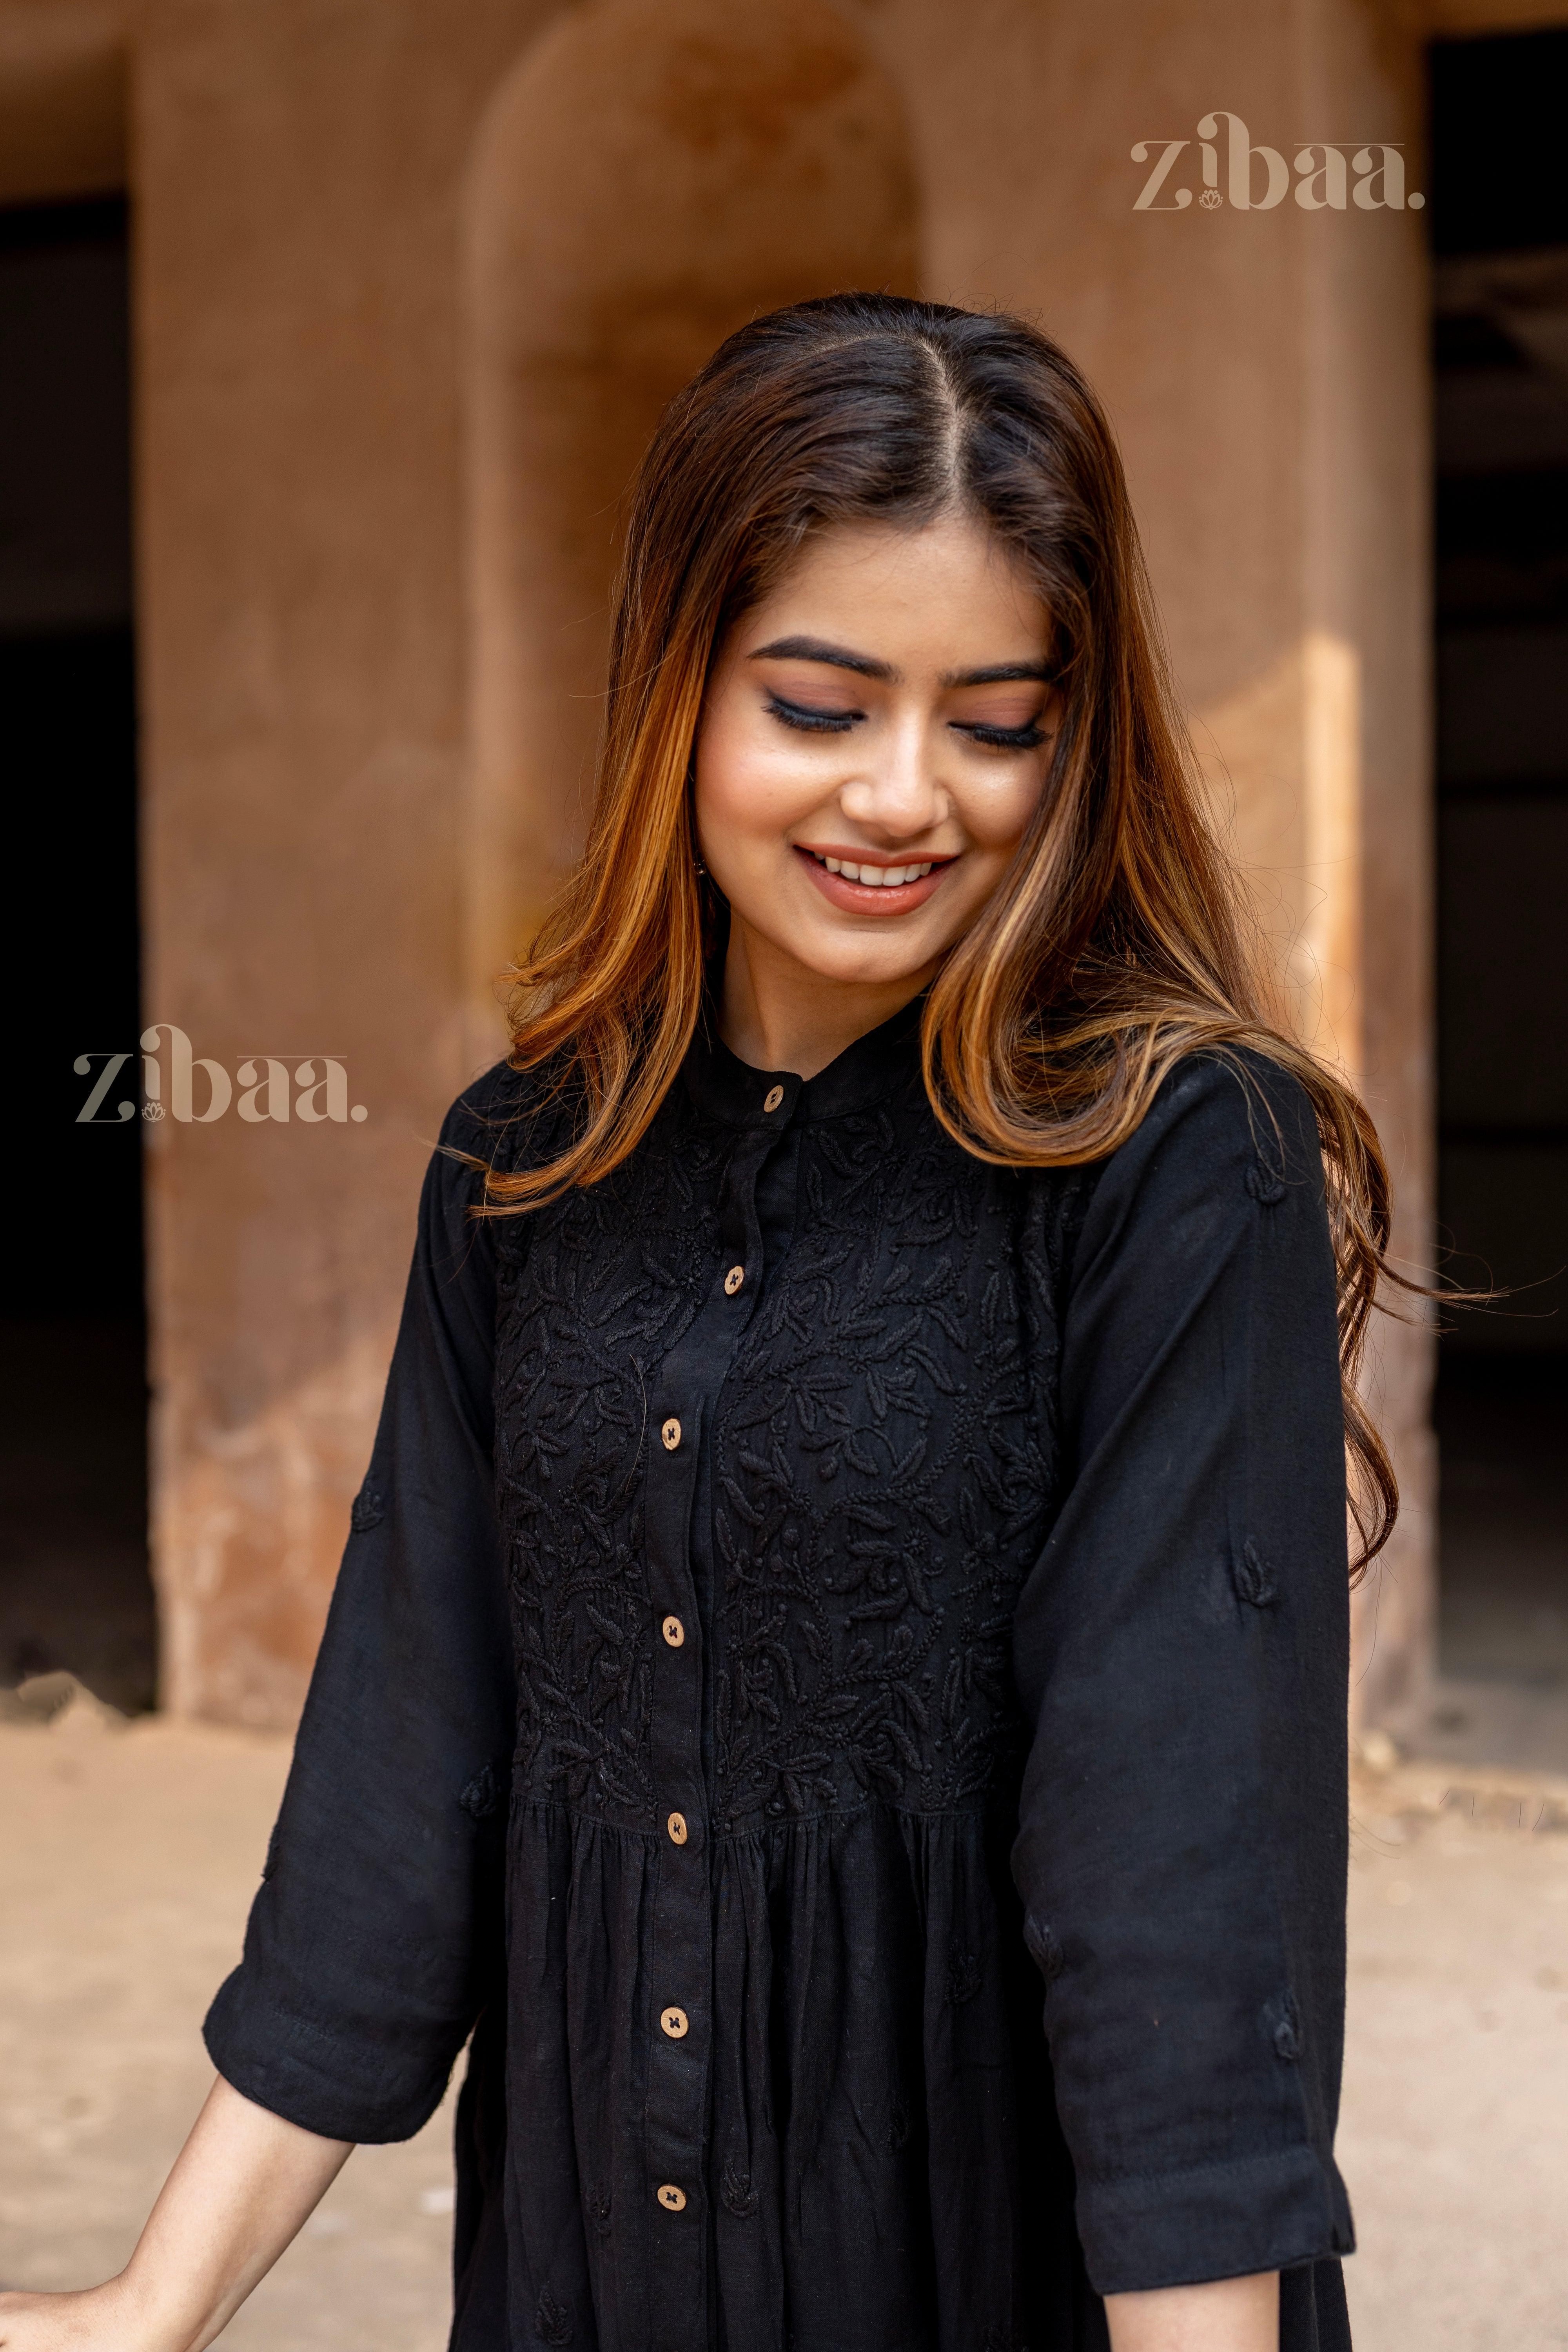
[242, 2187]
[98, 2319]
[1239, 2314]
[89, 2322]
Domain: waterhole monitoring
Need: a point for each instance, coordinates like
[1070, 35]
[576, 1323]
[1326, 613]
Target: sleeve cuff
[299, 2072]
[1217, 2221]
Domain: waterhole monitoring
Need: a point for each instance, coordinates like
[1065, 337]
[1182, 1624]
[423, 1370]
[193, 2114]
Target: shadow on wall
[652, 173]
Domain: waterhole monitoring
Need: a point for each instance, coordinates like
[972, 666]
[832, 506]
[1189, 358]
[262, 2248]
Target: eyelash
[1006, 739]
[813, 722]
[838, 722]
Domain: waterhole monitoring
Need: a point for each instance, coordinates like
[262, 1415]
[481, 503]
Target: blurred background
[330, 332]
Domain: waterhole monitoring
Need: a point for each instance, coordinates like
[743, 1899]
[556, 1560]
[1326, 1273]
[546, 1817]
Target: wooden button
[674, 1632]
[676, 1825]
[670, 1433]
[672, 2199]
[733, 1279]
[675, 2023]
[772, 1098]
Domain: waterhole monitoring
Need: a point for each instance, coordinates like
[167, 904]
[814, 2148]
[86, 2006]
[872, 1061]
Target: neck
[775, 1015]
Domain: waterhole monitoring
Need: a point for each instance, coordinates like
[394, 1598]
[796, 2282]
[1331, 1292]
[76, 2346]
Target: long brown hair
[1113, 946]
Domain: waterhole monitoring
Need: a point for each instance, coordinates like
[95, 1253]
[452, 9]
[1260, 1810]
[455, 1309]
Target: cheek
[749, 788]
[996, 815]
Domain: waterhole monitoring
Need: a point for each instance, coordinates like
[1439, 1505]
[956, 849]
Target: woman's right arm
[375, 1936]
[242, 2188]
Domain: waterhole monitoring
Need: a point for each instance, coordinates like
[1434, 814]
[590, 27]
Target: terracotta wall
[411, 282]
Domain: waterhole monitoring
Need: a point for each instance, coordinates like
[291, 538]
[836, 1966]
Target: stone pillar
[297, 226]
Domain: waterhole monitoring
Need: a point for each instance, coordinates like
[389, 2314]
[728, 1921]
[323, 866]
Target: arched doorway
[652, 173]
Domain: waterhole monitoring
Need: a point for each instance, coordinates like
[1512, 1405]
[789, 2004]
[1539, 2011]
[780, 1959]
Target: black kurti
[837, 1680]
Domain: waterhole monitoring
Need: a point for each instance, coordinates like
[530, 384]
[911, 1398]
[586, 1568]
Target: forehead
[950, 581]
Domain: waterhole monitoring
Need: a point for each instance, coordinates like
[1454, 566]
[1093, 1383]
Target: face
[875, 740]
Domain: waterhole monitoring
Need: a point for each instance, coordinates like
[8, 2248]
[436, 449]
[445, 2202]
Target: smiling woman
[888, 781]
[838, 1683]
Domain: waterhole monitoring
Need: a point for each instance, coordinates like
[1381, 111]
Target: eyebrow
[1000, 674]
[818, 649]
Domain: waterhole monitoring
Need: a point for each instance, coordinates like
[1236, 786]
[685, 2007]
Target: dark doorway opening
[1500, 221]
[75, 1594]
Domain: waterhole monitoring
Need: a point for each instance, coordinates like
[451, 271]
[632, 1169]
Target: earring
[700, 870]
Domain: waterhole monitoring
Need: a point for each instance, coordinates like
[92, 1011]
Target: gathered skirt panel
[882, 2169]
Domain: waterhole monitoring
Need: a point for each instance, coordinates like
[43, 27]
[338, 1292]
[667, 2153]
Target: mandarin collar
[724, 1088]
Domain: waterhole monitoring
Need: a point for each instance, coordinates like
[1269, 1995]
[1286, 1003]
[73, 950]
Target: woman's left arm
[1225, 2316]
[1181, 1650]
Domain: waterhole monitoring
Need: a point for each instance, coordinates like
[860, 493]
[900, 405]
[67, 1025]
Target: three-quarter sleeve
[369, 1943]
[1181, 1654]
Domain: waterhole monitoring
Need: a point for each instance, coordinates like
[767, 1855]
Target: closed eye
[1004, 739]
[813, 722]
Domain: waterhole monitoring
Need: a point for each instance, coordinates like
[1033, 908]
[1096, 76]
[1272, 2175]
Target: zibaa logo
[316, 1092]
[1323, 173]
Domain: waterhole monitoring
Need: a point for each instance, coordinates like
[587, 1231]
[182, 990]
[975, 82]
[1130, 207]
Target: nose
[895, 791]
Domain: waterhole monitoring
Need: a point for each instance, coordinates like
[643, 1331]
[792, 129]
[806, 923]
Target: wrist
[148, 2318]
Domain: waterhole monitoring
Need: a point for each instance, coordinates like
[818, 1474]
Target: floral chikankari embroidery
[553, 2321]
[736, 2189]
[883, 1468]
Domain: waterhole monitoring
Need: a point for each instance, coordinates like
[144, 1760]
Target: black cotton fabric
[861, 1746]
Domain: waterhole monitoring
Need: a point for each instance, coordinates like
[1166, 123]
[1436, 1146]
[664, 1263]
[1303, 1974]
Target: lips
[873, 886]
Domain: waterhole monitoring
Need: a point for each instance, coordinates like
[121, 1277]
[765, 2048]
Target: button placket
[676, 2143]
[680, 1948]
[742, 1262]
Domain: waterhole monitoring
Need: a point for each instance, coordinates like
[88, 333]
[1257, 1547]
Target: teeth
[880, 877]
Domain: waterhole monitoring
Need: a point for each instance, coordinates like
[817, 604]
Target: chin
[879, 965]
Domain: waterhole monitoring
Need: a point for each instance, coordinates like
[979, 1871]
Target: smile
[880, 877]
[867, 885]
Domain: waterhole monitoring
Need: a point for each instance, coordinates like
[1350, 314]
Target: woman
[837, 1680]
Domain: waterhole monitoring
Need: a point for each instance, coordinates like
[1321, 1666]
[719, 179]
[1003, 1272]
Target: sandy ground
[127, 1857]
[1454, 2137]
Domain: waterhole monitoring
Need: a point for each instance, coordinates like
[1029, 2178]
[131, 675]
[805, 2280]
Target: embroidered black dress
[837, 1680]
